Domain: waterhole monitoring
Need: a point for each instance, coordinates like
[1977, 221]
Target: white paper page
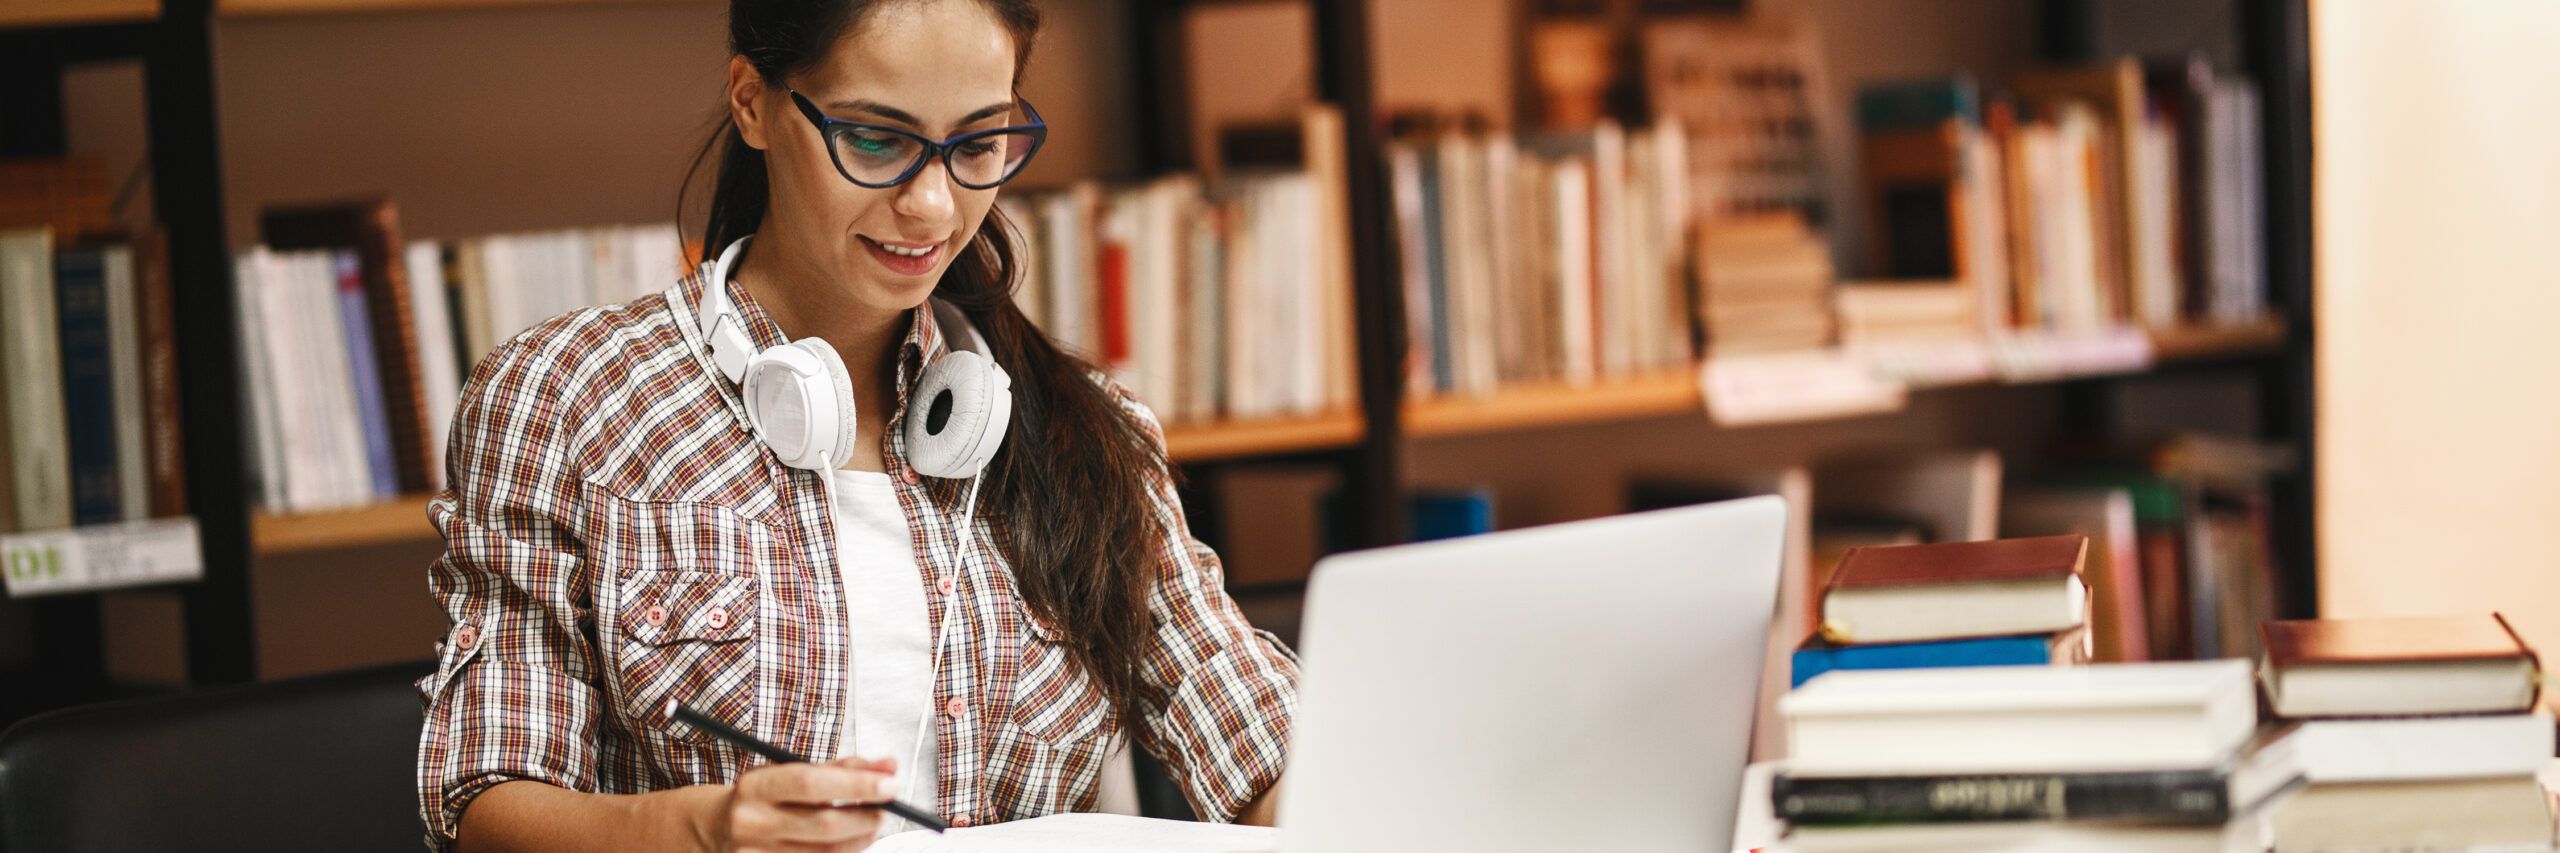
[1089, 833]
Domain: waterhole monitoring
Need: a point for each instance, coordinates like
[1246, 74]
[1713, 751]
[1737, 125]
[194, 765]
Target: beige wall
[2437, 203]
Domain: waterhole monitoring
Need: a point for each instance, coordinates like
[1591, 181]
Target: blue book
[1451, 514]
[88, 384]
[362, 362]
[1816, 657]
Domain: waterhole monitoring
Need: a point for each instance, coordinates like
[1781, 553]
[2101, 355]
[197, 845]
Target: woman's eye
[875, 144]
[978, 149]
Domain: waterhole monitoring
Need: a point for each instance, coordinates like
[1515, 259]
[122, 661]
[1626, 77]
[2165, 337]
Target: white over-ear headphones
[799, 397]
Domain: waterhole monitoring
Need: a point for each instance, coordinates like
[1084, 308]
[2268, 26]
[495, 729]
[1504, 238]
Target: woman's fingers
[823, 825]
[816, 784]
[810, 806]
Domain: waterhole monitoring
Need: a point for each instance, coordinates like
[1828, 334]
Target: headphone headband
[720, 321]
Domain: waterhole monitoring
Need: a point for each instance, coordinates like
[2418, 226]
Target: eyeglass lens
[876, 157]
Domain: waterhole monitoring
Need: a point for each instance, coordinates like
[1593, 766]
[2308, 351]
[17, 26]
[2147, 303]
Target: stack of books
[1954, 604]
[2415, 733]
[1764, 283]
[1892, 311]
[2103, 757]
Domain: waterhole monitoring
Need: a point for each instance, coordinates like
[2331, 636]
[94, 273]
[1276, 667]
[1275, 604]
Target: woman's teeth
[917, 252]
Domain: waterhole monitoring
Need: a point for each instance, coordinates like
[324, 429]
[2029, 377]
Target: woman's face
[938, 68]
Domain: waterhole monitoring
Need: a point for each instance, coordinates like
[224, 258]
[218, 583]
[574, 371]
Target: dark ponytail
[1072, 493]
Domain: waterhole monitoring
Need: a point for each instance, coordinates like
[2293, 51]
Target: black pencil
[742, 740]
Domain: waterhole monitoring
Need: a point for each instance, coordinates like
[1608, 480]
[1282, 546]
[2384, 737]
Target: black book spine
[2178, 797]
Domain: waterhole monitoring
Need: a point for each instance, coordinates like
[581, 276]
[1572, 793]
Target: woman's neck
[805, 304]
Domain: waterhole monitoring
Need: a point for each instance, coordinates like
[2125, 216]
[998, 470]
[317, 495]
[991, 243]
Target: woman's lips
[903, 264]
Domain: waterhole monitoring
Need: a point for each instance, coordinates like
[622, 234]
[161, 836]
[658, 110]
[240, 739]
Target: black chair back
[321, 763]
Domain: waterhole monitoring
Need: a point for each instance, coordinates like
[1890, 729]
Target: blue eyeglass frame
[1037, 130]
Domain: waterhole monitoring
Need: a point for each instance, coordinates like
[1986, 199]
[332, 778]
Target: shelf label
[1928, 362]
[2032, 355]
[102, 556]
[1778, 387]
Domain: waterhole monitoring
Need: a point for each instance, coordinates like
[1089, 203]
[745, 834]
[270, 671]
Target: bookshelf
[1370, 445]
[173, 40]
[59, 13]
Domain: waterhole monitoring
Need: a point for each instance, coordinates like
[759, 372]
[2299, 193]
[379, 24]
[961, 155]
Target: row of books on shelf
[90, 413]
[355, 342]
[1949, 704]
[1215, 298]
[2024, 237]
[2088, 197]
[1549, 257]
[92, 466]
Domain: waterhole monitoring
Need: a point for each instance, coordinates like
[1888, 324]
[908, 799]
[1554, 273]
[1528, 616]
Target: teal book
[1816, 657]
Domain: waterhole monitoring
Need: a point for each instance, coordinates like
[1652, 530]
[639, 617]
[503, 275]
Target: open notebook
[1089, 833]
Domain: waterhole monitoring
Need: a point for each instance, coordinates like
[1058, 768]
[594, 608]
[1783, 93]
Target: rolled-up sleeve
[513, 695]
[1227, 690]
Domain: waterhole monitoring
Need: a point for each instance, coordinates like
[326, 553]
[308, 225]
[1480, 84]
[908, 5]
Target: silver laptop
[1583, 686]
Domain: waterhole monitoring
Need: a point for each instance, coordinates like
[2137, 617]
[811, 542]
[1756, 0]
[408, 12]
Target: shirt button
[947, 585]
[908, 475]
[719, 618]
[656, 615]
[954, 707]
[470, 636]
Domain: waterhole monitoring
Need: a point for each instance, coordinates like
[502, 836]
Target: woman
[621, 534]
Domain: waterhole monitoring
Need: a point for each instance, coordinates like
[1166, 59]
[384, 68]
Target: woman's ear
[746, 102]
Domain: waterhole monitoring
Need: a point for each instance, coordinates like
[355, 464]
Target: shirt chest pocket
[687, 638]
[685, 621]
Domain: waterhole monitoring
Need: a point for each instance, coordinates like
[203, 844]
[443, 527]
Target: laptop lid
[1582, 686]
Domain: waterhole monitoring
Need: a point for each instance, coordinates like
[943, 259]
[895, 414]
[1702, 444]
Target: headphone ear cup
[800, 399]
[957, 415]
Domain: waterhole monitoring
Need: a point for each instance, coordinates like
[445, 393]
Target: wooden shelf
[402, 520]
[1205, 442]
[405, 520]
[1678, 393]
[254, 8]
[1554, 403]
[62, 13]
[2205, 343]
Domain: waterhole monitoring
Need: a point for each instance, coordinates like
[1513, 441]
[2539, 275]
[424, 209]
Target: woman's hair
[1073, 489]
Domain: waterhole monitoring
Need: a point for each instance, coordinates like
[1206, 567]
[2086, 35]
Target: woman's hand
[799, 807]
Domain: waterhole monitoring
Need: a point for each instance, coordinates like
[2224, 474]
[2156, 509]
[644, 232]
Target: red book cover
[1115, 302]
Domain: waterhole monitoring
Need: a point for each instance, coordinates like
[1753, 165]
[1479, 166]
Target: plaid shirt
[616, 538]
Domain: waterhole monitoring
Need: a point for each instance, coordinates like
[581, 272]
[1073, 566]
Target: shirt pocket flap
[679, 606]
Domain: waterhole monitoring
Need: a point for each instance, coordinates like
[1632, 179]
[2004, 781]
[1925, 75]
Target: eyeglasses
[880, 156]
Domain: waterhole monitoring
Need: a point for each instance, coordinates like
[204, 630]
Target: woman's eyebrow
[902, 116]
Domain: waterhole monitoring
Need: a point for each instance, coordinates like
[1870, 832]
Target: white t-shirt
[891, 635]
